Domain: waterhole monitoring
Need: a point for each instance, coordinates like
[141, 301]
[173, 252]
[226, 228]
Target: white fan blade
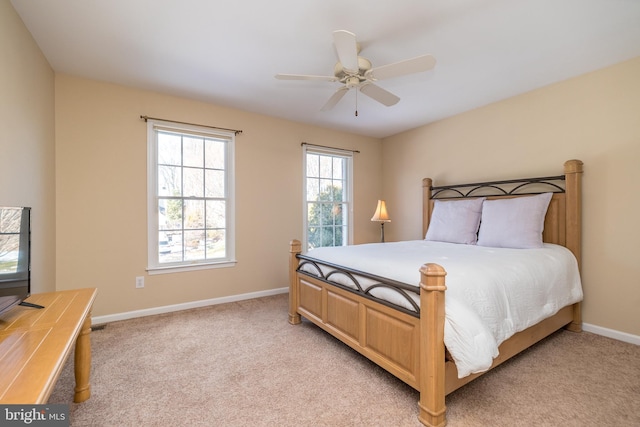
[347, 49]
[337, 96]
[402, 68]
[379, 94]
[305, 77]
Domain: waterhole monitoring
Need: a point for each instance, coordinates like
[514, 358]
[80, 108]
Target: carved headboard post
[426, 204]
[573, 200]
[573, 189]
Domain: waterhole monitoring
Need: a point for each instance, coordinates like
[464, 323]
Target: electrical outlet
[140, 282]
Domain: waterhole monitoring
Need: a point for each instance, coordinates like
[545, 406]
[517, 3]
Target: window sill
[190, 267]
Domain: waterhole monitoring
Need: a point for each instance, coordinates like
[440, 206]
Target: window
[327, 197]
[190, 197]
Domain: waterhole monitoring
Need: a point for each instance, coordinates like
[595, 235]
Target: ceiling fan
[356, 72]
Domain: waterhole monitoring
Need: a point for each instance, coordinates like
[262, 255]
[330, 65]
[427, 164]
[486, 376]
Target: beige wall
[27, 142]
[101, 194]
[594, 118]
[94, 199]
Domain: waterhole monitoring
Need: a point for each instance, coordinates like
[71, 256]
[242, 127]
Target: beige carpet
[242, 364]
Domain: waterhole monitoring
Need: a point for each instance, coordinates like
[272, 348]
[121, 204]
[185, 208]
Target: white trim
[192, 267]
[304, 200]
[328, 150]
[611, 333]
[184, 306]
[152, 207]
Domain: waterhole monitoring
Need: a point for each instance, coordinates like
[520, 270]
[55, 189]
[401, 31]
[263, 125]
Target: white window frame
[153, 264]
[348, 188]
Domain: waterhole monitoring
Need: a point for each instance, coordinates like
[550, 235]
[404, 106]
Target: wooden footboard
[388, 337]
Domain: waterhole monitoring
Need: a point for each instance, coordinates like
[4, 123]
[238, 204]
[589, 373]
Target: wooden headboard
[563, 223]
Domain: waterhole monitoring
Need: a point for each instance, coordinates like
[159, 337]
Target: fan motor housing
[364, 65]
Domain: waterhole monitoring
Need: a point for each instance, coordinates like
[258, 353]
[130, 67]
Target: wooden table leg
[82, 362]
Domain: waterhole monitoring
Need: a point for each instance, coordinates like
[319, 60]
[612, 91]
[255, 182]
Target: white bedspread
[492, 293]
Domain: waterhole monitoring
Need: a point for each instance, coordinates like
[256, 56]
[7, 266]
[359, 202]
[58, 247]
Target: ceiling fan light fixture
[364, 66]
[352, 82]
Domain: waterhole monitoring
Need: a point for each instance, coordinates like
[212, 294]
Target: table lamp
[381, 216]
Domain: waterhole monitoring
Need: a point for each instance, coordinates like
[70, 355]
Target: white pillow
[455, 221]
[514, 223]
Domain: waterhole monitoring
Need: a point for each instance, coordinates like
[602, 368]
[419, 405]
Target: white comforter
[492, 293]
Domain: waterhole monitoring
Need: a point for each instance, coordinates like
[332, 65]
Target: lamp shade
[381, 214]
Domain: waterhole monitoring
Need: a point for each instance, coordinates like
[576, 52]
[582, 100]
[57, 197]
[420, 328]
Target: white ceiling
[227, 52]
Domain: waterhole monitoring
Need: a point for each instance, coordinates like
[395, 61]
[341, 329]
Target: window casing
[190, 197]
[328, 197]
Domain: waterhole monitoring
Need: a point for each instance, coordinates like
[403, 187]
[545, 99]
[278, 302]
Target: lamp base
[382, 232]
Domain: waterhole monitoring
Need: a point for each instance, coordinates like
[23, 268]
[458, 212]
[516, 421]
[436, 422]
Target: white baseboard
[599, 330]
[184, 306]
[611, 333]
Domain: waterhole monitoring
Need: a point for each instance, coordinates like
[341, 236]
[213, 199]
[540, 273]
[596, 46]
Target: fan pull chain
[356, 102]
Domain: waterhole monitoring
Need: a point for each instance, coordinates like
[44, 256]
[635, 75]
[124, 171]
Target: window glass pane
[337, 213]
[169, 149]
[170, 214]
[214, 183]
[162, 214]
[338, 167]
[326, 214]
[193, 182]
[193, 151]
[215, 244]
[313, 189]
[169, 181]
[338, 193]
[326, 190]
[216, 214]
[326, 167]
[313, 165]
[170, 247]
[215, 154]
[193, 214]
[313, 214]
[313, 240]
[164, 247]
[338, 236]
[194, 244]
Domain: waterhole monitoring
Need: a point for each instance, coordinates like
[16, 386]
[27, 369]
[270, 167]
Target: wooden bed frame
[411, 346]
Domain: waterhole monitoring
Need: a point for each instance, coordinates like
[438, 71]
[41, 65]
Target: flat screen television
[15, 256]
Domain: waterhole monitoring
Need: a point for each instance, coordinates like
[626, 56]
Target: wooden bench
[35, 344]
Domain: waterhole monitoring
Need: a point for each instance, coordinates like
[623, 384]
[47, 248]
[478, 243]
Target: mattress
[492, 293]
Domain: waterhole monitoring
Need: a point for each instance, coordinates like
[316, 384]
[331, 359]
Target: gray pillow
[514, 223]
[455, 221]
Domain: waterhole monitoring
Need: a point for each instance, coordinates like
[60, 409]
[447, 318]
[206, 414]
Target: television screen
[15, 255]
